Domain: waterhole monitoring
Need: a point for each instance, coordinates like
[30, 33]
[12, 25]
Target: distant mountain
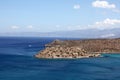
[88, 33]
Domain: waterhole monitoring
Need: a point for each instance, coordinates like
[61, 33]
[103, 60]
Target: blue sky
[58, 15]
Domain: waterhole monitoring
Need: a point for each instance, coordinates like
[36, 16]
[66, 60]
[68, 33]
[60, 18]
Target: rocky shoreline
[79, 48]
[65, 52]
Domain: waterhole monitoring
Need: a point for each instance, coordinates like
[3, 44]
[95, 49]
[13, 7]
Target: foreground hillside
[79, 48]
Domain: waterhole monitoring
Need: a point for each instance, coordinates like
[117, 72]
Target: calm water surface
[17, 63]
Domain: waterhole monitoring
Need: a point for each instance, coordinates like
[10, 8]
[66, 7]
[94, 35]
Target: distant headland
[79, 48]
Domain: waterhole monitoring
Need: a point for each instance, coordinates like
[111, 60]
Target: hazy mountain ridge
[88, 33]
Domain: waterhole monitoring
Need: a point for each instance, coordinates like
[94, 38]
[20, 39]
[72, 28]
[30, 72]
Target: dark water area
[17, 63]
[24, 46]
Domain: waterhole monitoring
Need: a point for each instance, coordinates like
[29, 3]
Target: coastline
[79, 48]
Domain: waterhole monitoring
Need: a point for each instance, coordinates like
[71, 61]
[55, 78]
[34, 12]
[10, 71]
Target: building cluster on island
[79, 48]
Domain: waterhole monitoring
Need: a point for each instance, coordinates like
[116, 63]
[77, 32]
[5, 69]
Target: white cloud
[76, 6]
[30, 27]
[107, 24]
[77, 27]
[103, 4]
[101, 25]
[15, 27]
[108, 35]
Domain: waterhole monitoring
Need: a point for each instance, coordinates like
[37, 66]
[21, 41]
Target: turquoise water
[17, 63]
[111, 55]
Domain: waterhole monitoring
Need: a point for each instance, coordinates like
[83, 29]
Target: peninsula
[79, 48]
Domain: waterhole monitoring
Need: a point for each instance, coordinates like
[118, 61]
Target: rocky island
[79, 48]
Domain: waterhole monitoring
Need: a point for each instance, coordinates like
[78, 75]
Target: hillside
[91, 45]
[79, 48]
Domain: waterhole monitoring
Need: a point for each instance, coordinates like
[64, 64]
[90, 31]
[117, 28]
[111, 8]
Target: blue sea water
[17, 63]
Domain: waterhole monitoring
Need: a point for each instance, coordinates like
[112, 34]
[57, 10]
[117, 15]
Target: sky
[58, 15]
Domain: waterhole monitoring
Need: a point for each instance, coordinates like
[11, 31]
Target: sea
[17, 62]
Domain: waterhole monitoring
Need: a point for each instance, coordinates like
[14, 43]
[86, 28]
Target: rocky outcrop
[79, 48]
[65, 52]
[91, 45]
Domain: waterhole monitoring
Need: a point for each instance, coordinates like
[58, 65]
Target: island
[79, 48]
